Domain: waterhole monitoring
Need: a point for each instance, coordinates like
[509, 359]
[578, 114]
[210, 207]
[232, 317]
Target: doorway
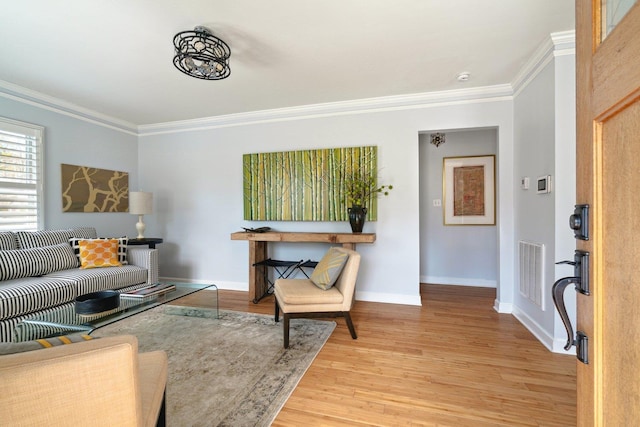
[454, 255]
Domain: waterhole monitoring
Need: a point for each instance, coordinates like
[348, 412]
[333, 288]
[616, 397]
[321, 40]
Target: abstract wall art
[87, 189]
[305, 185]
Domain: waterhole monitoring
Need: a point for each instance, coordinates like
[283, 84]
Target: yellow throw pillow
[329, 268]
[96, 253]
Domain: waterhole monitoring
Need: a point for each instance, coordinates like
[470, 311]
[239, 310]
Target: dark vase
[357, 215]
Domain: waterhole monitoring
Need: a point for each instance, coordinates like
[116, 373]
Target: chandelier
[201, 55]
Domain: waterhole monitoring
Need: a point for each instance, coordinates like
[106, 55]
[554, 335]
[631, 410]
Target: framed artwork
[87, 189]
[469, 190]
[306, 185]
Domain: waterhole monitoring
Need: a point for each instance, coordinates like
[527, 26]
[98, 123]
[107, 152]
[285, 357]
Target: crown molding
[359, 106]
[40, 100]
[558, 44]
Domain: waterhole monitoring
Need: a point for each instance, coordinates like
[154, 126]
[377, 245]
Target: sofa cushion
[99, 253]
[8, 240]
[122, 247]
[329, 268]
[84, 232]
[30, 294]
[18, 263]
[34, 239]
[100, 279]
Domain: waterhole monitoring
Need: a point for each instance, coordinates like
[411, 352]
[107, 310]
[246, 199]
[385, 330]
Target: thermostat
[544, 184]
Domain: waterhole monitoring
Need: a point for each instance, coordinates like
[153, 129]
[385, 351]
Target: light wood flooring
[452, 362]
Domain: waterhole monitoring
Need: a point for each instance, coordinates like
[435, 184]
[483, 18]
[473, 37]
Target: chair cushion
[329, 268]
[305, 292]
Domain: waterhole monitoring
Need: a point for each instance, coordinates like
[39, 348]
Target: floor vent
[531, 257]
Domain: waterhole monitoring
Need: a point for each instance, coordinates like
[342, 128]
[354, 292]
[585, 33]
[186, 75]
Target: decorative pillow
[97, 253]
[17, 263]
[8, 240]
[59, 257]
[122, 247]
[37, 239]
[20, 347]
[329, 268]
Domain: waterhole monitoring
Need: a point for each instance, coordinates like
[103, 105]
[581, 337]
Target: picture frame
[468, 188]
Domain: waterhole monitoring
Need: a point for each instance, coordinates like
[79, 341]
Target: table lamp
[140, 203]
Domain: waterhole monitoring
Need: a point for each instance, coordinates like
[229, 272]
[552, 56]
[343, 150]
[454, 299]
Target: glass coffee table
[64, 319]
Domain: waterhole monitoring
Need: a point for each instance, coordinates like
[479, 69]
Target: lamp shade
[140, 203]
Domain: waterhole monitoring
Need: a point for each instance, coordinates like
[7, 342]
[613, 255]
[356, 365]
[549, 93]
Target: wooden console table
[258, 250]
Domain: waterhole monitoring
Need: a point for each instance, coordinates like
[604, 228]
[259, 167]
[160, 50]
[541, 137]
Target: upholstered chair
[329, 292]
[100, 382]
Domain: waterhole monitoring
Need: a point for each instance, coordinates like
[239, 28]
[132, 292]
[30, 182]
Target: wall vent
[531, 265]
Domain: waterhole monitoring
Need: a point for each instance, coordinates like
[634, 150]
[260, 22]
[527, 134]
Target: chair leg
[285, 331]
[352, 329]
[277, 311]
[162, 416]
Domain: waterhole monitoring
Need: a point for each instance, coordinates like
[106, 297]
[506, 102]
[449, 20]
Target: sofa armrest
[96, 382]
[145, 258]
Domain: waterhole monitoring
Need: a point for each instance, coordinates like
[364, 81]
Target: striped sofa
[39, 270]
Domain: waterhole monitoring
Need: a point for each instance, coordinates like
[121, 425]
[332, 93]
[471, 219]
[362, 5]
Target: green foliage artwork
[310, 185]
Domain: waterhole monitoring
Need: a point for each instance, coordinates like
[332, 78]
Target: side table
[150, 241]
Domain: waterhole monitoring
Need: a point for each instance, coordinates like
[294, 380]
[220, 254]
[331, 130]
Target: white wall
[196, 177]
[72, 140]
[454, 255]
[544, 117]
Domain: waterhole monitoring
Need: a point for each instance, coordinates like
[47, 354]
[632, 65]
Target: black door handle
[558, 300]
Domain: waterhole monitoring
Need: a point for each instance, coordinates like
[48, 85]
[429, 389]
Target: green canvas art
[306, 185]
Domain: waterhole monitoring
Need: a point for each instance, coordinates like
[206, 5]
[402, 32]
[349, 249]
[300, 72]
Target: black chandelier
[201, 55]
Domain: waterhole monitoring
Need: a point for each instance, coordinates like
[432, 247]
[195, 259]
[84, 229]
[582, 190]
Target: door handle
[558, 300]
[580, 280]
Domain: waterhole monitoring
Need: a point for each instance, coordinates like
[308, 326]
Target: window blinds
[20, 176]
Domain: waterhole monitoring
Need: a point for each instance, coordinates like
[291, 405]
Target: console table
[258, 249]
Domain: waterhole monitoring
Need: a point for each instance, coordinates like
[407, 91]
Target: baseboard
[502, 307]
[389, 298]
[229, 286]
[553, 345]
[457, 281]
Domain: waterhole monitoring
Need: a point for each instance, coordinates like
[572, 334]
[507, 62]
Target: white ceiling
[115, 56]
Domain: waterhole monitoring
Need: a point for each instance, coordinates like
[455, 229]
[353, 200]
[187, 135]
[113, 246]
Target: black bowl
[97, 302]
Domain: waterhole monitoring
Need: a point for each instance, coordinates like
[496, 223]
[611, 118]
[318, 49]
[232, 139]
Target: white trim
[502, 307]
[547, 340]
[46, 102]
[558, 44]
[473, 95]
[359, 106]
[389, 298]
[458, 281]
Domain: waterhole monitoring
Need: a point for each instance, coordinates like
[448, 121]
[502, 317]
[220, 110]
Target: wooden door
[608, 179]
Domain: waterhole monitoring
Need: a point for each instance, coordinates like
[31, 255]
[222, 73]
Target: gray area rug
[231, 371]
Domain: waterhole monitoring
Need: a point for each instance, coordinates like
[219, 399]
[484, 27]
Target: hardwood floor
[452, 362]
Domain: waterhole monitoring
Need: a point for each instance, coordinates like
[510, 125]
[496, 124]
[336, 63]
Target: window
[21, 195]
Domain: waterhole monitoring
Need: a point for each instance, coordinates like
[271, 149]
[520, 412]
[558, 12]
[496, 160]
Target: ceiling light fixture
[464, 76]
[438, 138]
[201, 55]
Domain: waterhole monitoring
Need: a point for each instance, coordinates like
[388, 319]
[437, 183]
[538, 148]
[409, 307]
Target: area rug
[230, 371]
